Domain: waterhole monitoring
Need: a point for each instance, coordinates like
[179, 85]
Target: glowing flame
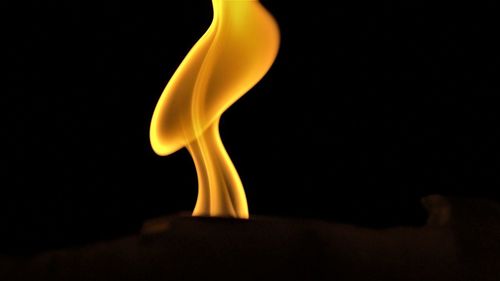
[238, 49]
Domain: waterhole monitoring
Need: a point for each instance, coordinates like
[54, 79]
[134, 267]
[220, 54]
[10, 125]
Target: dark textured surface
[459, 242]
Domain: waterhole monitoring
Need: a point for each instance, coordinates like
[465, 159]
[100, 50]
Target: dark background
[367, 109]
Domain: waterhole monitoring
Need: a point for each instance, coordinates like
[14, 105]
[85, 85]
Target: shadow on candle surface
[460, 242]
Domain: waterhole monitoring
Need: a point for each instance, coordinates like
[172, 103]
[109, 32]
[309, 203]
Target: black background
[368, 108]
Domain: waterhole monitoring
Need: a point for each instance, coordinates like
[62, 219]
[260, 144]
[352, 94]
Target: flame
[235, 53]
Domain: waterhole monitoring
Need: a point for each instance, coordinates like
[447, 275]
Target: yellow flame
[235, 53]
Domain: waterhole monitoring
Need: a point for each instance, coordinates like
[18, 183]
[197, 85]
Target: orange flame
[235, 53]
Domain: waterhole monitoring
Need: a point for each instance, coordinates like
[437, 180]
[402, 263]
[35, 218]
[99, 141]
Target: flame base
[220, 191]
